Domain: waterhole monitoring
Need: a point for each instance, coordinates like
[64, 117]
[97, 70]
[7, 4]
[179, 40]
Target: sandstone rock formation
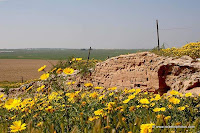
[148, 71]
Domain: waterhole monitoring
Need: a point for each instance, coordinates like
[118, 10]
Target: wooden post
[158, 35]
[89, 54]
[22, 80]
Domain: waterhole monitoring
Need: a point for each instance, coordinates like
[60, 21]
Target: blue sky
[126, 24]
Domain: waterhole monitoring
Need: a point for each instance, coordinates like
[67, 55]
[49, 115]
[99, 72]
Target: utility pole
[89, 54]
[158, 35]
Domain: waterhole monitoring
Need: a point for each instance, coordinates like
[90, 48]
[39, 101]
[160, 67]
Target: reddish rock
[148, 71]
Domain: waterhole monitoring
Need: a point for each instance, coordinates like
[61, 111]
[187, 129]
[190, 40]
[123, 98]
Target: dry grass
[14, 69]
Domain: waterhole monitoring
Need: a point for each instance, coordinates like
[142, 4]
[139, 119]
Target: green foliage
[84, 66]
[6, 90]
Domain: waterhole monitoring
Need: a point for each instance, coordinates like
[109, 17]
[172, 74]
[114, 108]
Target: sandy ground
[15, 69]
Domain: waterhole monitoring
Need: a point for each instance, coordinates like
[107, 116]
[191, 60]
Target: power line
[177, 28]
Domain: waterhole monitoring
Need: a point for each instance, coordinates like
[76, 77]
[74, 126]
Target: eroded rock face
[148, 71]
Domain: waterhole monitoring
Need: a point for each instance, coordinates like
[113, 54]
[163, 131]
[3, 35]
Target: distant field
[14, 69]
[18, 63]
[60, 54]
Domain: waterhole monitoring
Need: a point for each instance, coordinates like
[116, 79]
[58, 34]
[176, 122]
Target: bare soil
[14, 69]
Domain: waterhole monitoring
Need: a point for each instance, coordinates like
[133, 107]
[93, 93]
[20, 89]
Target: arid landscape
[13, 70]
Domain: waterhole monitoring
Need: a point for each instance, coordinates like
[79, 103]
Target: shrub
[190, 49]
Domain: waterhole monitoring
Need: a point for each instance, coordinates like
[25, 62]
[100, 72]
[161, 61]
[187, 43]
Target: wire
[177, 28]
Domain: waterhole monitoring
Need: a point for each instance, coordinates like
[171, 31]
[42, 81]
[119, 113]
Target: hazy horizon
[113, 24]
[75, 48]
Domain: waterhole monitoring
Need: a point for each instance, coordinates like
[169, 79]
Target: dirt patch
[15, 69]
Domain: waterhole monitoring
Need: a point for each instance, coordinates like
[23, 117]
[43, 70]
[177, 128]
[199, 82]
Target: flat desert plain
[15, 69]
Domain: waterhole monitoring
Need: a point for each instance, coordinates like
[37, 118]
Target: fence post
[89, 54]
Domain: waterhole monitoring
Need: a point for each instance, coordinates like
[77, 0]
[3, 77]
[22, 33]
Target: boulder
[148, 71]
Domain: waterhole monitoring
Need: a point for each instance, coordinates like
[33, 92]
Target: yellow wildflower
[49, 109]
[156, 109]
[146, 128]
[162, 109]
[59, 71]
[67, 94]
[17, 126]
[107, 127]
[52, 96]
[131, 91]
[181, 108]
[126, 101]
[152, 104]
[68, 70]
[93, 118]
[71, 97]
[44, 76]
[39, 124]
[145, 106]
[157, 97]
[167, 118]
[40, 88]
[138, 90]
[1, 95]
[88, 84]
[83, 103]
[131, 97]
[94, 95]
[112, 88]
[110, 105]
[68, 83]
[173, 92]
[159, 116]
[132, 108]
[159, 109]
[98, 112]
[112, 93]
[42, 68]
[170, 106]
[101, 97]
[125, 90]
[138, 106]
[53, 69]
[77, 92]
[13, 117]
[12, 103]
[83, 95]
[144, 101]
[29, 88]
[188, 94]
[174, 100]
[98, 88]
[76, 59]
